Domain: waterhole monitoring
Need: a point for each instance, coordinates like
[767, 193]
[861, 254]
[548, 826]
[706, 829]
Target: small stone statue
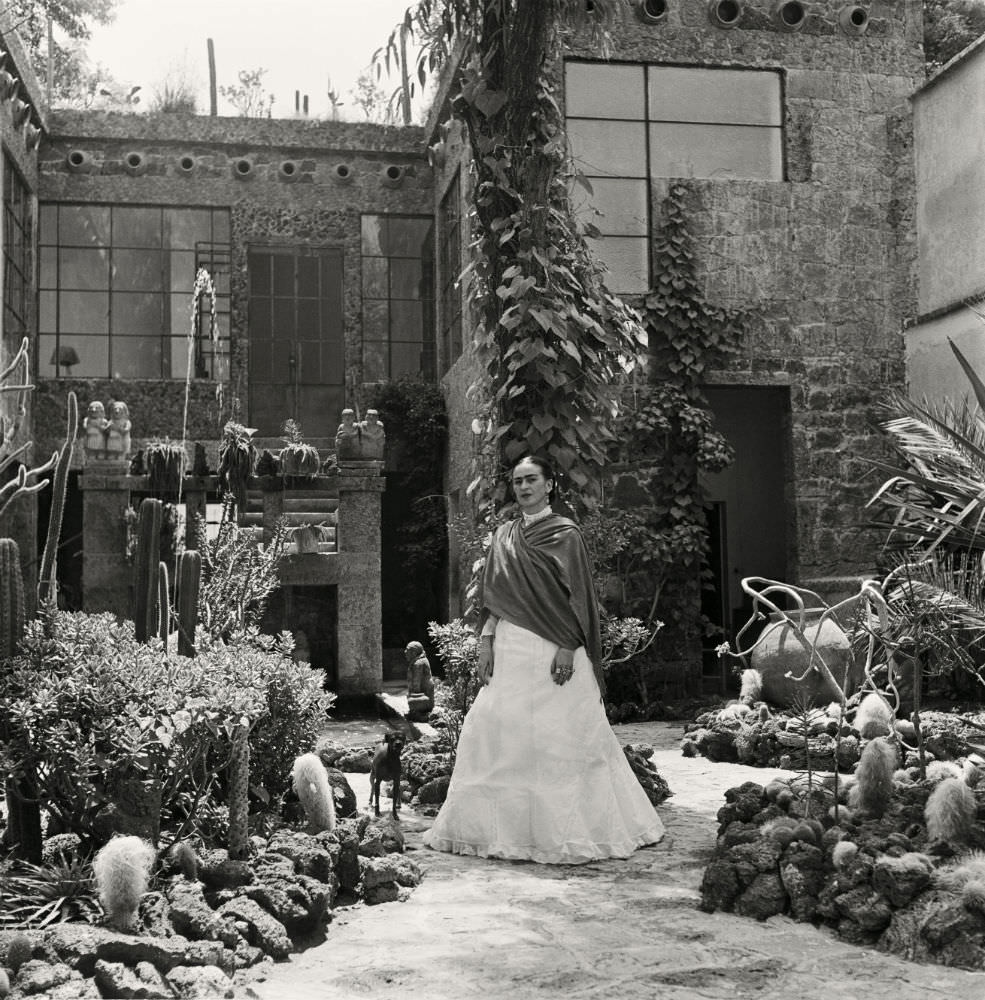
[373, 436]
[420, 683]
[348, 436]
[118, 431]
[95, 429]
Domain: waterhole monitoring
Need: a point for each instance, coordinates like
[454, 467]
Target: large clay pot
[785, 647]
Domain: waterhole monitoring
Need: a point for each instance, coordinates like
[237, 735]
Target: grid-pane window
[116, 287]
[629, 123]
[398, 296]
[16, 252]
[449, 270]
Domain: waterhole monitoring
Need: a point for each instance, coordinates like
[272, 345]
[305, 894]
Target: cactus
[313, 789]
[145, 572]
[163, 603]
[47, 579]
[186, 599]
[873, 787]
[843, 852]
[184, 858]
[19, 951]
[873, 717]
[4, 983]
[239, 786]
[11, 597]
[951, 811]
[122, 871]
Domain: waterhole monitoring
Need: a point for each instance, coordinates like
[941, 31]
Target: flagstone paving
[619, 930]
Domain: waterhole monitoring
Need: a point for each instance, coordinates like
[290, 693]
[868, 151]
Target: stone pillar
[105, 570]
[360, 606]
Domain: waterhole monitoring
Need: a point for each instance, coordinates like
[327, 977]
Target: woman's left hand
[563, 666]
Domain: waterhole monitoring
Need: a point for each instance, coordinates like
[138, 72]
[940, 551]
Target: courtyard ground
[628, 930]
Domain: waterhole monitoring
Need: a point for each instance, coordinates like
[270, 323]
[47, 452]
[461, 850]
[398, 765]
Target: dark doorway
[750, 512]
[296, 365]
[311, 615]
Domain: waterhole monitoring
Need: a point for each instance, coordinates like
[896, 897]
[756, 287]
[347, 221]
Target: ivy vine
[651, 538]
[551, 340]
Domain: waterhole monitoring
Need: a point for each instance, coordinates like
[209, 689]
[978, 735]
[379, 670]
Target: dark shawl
[540, 578]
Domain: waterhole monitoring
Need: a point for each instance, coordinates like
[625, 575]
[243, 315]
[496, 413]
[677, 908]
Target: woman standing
[539, 774]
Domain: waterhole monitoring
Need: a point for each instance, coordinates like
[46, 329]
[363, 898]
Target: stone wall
[824, 260]
[281, 181]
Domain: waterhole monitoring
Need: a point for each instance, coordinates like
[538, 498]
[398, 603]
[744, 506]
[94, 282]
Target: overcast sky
[301, 43]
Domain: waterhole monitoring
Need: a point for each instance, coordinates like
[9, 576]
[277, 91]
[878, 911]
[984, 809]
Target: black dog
[386, 767]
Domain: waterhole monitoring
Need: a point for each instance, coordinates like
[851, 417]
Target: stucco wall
[949, 147]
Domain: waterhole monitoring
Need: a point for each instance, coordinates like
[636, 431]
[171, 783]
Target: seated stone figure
[373, 435]
[347, 437]
[420, 683]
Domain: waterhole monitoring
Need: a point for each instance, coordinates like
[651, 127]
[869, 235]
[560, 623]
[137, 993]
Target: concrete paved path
[616, 930]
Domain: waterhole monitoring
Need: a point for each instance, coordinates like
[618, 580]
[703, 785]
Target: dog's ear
[388, 737]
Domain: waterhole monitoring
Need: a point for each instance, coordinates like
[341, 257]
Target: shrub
[458, 650]
[88, 707]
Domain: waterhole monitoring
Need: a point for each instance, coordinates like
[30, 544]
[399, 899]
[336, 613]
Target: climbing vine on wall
[652, 535]
[552, 341]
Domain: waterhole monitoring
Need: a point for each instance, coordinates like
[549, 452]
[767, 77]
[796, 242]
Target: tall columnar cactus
[163, 603]
[11, 597]
[47, 579]
[186, 599]
[145, 572]
[239, 786]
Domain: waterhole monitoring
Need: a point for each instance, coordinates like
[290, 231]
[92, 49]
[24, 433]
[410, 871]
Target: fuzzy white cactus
[315, 792]
[122, 871]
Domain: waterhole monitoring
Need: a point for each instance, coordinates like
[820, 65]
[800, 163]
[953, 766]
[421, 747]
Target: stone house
[336, 250]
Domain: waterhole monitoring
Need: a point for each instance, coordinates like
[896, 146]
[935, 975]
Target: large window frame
[397, 295]
[18, 232]
[630, 124]
[115, 286]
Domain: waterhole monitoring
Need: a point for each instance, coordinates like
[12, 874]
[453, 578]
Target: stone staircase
[301, 508]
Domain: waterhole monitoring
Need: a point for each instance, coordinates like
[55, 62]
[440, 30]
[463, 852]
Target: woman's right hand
[486, 657]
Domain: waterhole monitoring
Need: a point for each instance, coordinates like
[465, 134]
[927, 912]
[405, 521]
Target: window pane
[725, 96]
[722, 152]
[283, 274]
[92, 352]
[188, 227]
[84, 312]
[407, 236]
[309, 319]
[137, 270]
[406, 279]
[261, 322]
[137, 357]
[183, 271]
[260, 270]
[83, 225]
[135, 314]
[616, 205]
[47, 267]
[48, 224]
[376, 320]
[406, 321]
[308, 277]
[374, 360]
[136, 227]
[83, 268]
[373, 234]
[603, 90]
[283, 313]
[375, 277]
[608, 148]
[626, 262]
[405, 359]
[48, 312]
[181, 314]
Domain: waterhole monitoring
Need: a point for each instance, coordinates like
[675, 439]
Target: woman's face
[530, 487]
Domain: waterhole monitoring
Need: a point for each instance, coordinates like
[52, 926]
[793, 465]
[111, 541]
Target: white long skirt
[539, 774]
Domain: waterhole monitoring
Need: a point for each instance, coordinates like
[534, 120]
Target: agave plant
[38, 895]
[934, 497]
